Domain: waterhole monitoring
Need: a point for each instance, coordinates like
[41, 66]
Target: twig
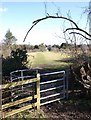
[80, 34]
[79, 29]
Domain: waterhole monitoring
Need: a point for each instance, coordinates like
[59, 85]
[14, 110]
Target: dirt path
[66, 111]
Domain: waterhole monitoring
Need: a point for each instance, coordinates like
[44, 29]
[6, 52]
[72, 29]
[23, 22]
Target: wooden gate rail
[22, 100]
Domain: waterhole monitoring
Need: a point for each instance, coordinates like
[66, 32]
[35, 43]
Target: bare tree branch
[79, 29]
[61, 17]
[29, 31]
[47, 17]
[80, 34]
[38, 20]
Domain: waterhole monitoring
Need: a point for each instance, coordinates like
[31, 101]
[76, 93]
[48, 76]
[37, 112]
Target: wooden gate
[20, 94]
[27, 90]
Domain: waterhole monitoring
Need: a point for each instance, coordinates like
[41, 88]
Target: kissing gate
[29, 89]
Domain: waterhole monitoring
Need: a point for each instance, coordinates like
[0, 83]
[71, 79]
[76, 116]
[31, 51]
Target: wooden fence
[25, 91]
[13, 103]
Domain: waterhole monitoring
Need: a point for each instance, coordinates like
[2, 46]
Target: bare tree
[74, 30]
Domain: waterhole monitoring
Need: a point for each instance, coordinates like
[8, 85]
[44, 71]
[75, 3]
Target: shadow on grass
[74, 60]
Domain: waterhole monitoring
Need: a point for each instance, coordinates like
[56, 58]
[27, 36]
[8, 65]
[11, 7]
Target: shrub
[17, 60]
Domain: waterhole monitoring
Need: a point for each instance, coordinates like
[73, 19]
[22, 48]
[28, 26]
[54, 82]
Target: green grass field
[51, 60]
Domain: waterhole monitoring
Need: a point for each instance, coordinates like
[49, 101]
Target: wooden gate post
[38, 91]
[67, 84]
[22, 78]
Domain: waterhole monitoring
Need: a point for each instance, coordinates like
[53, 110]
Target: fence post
[38, 91]
[0, 100]
[11, 80]
[22, 78]
[66, 84]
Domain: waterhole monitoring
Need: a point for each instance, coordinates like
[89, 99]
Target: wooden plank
[38, 92]
[18, 110]
[18, 94]
[18, 102]
[0, 113]
[15, 89]
[13, 84]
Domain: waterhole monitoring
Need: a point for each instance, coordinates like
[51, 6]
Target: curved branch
[80, 34]
[79, 29]
[38, 20]
[29, 31]
[47, 17]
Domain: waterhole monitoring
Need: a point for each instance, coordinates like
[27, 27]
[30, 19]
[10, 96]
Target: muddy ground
[78, 109]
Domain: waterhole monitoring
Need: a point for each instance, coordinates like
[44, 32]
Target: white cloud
[3, 9]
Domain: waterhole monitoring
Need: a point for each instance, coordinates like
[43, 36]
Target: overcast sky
[18, 17]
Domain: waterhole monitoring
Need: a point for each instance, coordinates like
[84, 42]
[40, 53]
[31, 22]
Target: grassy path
[47, 59]
[39, 59]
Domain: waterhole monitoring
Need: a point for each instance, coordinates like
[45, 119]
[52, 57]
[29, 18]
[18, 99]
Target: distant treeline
[6, 50]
